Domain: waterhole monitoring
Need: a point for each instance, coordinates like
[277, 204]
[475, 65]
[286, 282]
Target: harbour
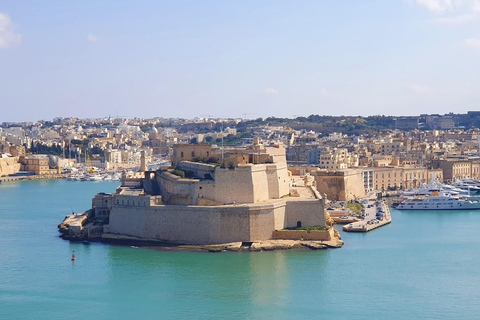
[429, 258]
[376, 214]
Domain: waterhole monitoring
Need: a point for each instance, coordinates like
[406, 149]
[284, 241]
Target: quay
[32, 177]
[372, 211]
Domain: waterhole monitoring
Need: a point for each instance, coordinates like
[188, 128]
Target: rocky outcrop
[314, 245]
[270, 245]
[72, 226]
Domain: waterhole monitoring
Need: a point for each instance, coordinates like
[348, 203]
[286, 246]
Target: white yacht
[432, 188]
[438, 201]
[469, 185]
[96, 177]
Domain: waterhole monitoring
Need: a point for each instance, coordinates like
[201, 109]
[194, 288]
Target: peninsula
[212, 196]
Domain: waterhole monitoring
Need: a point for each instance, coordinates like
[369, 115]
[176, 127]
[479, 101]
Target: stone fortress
[214, 195]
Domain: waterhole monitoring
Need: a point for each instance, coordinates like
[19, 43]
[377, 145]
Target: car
[330, 208]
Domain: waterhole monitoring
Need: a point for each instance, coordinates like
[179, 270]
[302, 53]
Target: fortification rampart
[9, 166]
[200, 170]
[177, 191]
[212, 224]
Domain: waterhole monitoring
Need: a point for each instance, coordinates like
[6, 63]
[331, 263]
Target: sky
[237, 59]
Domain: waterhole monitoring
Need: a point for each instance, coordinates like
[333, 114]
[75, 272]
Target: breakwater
[33, 177]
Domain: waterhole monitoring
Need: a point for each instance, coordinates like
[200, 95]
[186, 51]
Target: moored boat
[438, 202]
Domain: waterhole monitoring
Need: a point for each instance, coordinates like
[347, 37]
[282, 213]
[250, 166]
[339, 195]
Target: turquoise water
[425, 265]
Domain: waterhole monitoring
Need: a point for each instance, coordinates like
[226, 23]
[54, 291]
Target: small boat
[96, 177]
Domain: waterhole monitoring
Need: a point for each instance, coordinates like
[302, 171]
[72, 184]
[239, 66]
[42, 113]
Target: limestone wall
[132, 201]
[332, 186]
[340, 185]
[197, 225]
[234, 185]
[210, 224]
[315, 235]
[263, 220]
[9, 166]
[278, 180]
[277, 153]
[182, 224]
[308, 212]
[251, 183]
[354, 188]
[177, 191]
[205, 189]
[188, 152]
[259, 183]
[201, 170]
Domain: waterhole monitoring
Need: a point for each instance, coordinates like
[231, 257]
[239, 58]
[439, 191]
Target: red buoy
[73, 256]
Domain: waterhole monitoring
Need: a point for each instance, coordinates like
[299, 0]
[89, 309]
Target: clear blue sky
[225, 58]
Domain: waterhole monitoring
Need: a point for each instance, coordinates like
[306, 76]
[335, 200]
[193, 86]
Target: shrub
[308, 229]
[179, 173]
[355, 207]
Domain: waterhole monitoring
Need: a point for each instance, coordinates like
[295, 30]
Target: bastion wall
[210, 225]
[9, 166]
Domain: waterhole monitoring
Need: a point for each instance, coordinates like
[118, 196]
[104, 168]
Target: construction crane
[89, 163]
[247, 113]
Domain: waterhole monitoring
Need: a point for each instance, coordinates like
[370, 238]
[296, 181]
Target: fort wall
[9, 166]
[212, 224]
[307, 212]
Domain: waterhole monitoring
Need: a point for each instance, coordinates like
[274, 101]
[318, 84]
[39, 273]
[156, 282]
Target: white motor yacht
[438, 201]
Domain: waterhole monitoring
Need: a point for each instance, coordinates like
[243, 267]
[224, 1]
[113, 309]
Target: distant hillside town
[347, 156]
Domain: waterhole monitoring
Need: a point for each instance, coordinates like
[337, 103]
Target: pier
[372, 211]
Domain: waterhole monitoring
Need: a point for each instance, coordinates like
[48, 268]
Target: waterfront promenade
[33, 177]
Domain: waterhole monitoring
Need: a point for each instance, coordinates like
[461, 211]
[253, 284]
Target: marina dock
[376, 213]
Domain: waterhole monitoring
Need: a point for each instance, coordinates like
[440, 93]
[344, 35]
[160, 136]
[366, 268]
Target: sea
[424, 265]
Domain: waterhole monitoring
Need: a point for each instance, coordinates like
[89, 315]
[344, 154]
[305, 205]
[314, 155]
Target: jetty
[375, 215]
